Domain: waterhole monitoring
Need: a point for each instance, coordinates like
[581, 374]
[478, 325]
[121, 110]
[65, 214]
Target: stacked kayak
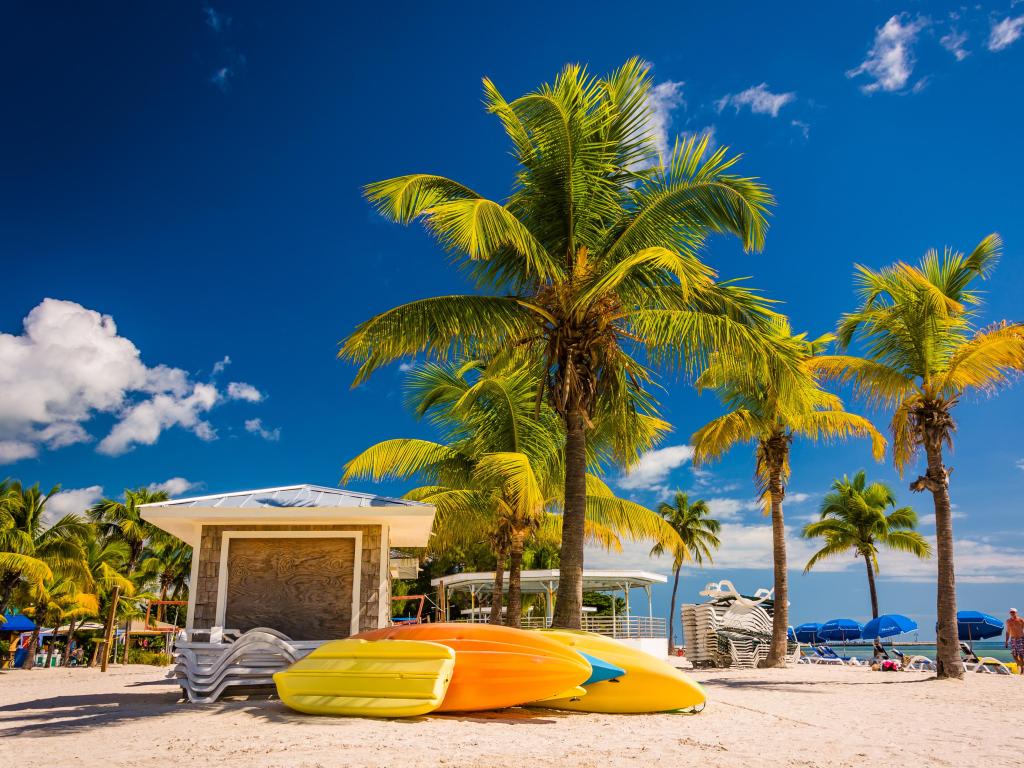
[405, 671]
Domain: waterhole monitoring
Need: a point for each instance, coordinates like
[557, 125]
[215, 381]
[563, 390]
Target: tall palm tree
[121, 521]
[854, 519]
[698, 535]
[32, 552]
[500, 470]
[922, 352]
[784, 405]
[589, 263]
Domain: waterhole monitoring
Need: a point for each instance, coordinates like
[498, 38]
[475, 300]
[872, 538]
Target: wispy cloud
[654, 468]
[662, 100]
[174, 486]
[255, 426]
[890, 60]
[223, 77]
[1020, 464]
[220, 365]
[1005, 33]
[953, 41]
[804, 128]
[707, 132]
[215, 20]
[758, 98]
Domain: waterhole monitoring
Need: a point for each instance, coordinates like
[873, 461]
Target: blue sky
[184, 242]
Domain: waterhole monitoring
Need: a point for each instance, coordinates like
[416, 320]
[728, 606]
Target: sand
[802, 716]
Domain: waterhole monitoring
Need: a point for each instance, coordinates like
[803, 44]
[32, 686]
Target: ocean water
[991, 648]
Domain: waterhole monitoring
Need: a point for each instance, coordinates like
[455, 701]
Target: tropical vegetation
[589, 268]
[922, 351]
[497, 477]
[854, 519]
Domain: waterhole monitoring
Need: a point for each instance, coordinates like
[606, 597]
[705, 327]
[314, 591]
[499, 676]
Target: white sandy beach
[800, 717]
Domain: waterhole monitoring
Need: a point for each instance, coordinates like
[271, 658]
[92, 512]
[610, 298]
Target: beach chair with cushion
[829, 653]
[914, 663]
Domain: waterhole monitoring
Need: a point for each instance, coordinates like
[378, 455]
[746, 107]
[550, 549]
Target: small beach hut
[309, 561]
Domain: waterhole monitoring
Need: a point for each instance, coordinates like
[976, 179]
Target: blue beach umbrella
[975, 625]
[808, 633]
[16, 622]
[840, 629]
[889, 624]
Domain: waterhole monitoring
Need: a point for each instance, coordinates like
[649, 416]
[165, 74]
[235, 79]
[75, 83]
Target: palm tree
[121, 521]
[591, 261]
[105, 563]
[784, 405]
[31, 552]
[922, 353]
[854, 519]
[698, 535]
[167, 561]
[498, 475]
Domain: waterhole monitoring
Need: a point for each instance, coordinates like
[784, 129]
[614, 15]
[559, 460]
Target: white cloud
[890, 60]
[407, 366]
[750, 547]
[239, 390]
[255, 426]
[70, 364]
[930, 518]
[1005, 33]
[953, 41]
[727, 508]
[71, 501]
[803, 127]
[220, 365]
[760, 100]
[174, 486]
[1020, 464]
[654, 467]
[662, 100]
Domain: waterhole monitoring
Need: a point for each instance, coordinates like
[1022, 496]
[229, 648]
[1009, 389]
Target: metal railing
[619, 627]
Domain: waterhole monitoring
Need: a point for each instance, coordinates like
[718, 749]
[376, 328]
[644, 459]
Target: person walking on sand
[1015, 638]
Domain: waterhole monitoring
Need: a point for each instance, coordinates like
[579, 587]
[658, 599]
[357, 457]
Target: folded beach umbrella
[887, 625]
[975, 625]
[840, 629]
[808, 633]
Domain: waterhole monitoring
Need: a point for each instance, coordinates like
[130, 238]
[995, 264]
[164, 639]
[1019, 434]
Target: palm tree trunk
[30, 657]
[515, 592]
[672, 611]
[66, 661]
[49, 651]
[947, 647]
[871, 587]
[498, 590]
[569, 601]
[780, 616]
[108, 630]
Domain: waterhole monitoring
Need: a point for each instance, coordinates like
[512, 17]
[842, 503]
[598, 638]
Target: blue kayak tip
[600, 670]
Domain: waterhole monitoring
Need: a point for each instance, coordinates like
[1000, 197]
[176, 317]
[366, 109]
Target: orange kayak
[496, 667]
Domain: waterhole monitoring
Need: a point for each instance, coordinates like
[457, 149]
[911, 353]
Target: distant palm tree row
[96, 565]
[589, 281]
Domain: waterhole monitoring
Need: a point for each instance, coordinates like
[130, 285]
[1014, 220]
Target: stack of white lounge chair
[730, 629]
[208, 670]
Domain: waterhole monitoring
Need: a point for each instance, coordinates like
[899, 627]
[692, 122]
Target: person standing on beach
[1015, 638]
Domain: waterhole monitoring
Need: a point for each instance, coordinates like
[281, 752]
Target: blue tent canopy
[975, 625]
[16, 622]
[840, 629]
[808, 633]
[887, 625]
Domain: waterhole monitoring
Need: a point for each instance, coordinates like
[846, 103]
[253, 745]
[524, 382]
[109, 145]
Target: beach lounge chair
[819, 657]
[829, 653]
[914, 663]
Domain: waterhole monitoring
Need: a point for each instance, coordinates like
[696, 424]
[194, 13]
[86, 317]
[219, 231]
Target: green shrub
[153, 658]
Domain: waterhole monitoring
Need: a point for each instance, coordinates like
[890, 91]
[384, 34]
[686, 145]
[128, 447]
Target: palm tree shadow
[810, 686]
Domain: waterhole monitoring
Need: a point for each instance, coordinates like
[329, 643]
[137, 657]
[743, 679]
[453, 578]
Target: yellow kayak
[368, 678]
[649, 684]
